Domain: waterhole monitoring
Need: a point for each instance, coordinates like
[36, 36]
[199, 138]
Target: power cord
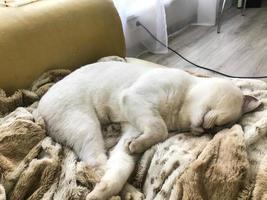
[138, 23]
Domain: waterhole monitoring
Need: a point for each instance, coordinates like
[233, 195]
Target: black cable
[196, 65]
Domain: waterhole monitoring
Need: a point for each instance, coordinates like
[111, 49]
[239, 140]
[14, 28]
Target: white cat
[146, 101]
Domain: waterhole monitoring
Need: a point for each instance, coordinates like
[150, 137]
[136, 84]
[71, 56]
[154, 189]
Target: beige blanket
[230, 165]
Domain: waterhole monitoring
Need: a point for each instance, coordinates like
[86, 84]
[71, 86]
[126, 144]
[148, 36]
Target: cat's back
[94, 82]
[102, 79]
[111, 73]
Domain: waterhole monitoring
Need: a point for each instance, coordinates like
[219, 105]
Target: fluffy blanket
[229, 165]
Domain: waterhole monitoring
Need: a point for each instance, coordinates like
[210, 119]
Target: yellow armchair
[50, 34]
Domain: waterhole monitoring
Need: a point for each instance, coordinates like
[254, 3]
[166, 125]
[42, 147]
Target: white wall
[200, 12]
[206, 12]
[180, 13]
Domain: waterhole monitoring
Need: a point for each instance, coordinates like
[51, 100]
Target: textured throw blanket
[230, 165]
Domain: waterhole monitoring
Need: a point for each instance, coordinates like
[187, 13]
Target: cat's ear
[250, 103]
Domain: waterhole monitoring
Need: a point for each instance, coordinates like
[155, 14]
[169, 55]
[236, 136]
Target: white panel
[207, 12]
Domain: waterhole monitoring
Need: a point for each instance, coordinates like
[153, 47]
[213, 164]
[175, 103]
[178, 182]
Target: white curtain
[151, 13]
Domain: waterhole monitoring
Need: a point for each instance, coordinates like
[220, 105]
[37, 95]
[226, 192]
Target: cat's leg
[148, 121]
[83, 132]
[119, 167]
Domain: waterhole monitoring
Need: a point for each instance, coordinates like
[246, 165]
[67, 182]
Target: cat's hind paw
[99, 192]
[129, 192]
[134, 196]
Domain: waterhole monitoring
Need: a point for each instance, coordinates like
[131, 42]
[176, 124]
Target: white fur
[146, 101]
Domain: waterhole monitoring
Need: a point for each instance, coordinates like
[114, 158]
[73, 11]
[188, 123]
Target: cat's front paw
[136, 146]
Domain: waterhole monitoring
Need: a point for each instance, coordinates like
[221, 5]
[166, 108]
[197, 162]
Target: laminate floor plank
[240, 49]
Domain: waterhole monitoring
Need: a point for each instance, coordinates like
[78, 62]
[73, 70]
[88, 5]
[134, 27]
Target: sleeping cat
[147, 102]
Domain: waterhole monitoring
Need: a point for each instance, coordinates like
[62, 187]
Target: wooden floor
[240, 49]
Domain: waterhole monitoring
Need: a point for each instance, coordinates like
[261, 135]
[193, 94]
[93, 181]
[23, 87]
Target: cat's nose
[197, 131]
